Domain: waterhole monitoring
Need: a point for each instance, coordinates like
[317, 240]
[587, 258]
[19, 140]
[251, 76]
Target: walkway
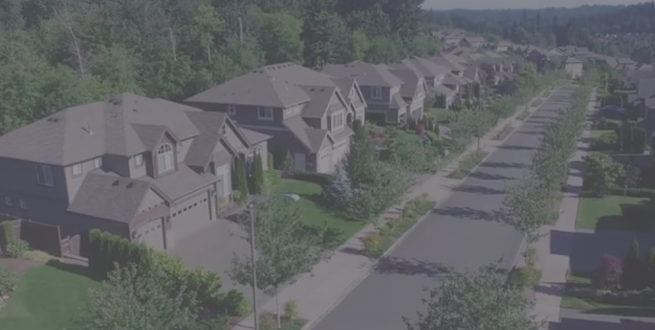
[332, 281]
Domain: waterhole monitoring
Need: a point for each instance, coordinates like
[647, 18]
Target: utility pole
[253, 263]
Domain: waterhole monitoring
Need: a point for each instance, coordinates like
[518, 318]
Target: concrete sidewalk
[554, 266]
[318, 293]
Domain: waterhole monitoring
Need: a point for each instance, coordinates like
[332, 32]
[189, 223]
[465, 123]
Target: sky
[518, 4]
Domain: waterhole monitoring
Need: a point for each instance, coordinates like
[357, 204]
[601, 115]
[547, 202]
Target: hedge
[321, 179]
[107, 250]
[7, 232]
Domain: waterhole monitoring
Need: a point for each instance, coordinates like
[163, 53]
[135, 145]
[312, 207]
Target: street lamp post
[253, 263]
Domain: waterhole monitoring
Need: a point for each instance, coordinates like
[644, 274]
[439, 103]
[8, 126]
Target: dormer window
[165, 158]
[265, 113]
[223, 130]
[337, 120]
[376, 93]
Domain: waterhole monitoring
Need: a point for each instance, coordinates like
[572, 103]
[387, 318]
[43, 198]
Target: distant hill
[514, 15]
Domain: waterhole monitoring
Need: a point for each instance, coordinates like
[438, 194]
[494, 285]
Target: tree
[360, 160]
[339, 192]
[257, 174]
[135, 298]
[476, 122]
[288, 165]
[607, 275]
[280, 38]
[630, 177]
[286, 248]
[480, 300]
[323, 32]
[357, 46]
[601, 172]
[635, 271]
[240, 180]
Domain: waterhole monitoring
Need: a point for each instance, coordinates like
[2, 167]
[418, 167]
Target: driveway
[212, 247]
[462, 233]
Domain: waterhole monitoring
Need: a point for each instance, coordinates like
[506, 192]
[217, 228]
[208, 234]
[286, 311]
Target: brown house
[304, 111]
[147, 169]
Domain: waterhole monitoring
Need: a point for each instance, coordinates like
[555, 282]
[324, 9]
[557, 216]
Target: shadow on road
[502, 165]
[478, 190]
[467, 213]
[402, 266]
[486, 176]
[516, 148]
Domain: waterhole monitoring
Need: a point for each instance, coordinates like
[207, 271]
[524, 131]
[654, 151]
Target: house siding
[21, 177]
[153, 157]
[383, 101]
[263, 153]
[150, 200]
[314, 122]
[244, 114]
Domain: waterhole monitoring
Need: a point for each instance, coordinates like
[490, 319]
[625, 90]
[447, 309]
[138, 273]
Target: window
[138, 160]
[231, 109]
[44, 175]
[8, 201]
[376, 93]
[223, 130]
[23, 204]
[337, 120]
[265, 113]
[97, 163]
[165, 158]
[77, 169]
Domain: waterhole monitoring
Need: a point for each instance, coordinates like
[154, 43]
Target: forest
[560, 27]
[58, 53]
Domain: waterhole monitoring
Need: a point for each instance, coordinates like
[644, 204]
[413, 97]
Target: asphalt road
[461, 233]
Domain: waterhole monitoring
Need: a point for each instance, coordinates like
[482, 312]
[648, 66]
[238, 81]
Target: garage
[190, 216]
[338, 153]
[152, 235]
[323, 161]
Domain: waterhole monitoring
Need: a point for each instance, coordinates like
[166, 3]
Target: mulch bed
[17, 266]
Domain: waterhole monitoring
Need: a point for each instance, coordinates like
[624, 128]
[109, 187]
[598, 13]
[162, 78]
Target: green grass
[614, 213]
[47, 298]
[316, 214]
[580, 281]
[524, 115]
[442, 115]
[467, 165]
[507, 130]
[599, 133]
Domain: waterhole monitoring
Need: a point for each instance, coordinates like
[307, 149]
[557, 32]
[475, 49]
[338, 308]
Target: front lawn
[614, 213]
[46, 298]
[314, 212]
[574, 298]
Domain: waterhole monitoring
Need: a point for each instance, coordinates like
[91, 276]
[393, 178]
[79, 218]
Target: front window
[165, 158]
[44, 175]
[265, 113]
[77, 169]
[376, 93]
[138, 160]
[97, 163]
[337, 120]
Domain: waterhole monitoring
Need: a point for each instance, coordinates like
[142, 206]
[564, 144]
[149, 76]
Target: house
[503, 46]
[305, 112]
[433, 75]
[413, 90]
[473, 42]
[573, 67]
[379, 87]
[146, 169]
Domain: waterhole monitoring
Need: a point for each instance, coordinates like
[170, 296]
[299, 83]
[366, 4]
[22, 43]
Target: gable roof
[572, 60]
[276, 85]
[448, 63]
[474, 39]
[422, 66]
[410, 80]
[366, 74]
[125, 126]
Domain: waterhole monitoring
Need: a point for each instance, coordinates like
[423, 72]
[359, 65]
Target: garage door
[323, 161]
[152, 234]
[189, 217]
[338, 153]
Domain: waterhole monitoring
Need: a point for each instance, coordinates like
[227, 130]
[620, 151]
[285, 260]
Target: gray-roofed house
[413, 90]
[380, 88]
[503, 46]
[573, 67]
[474, 42]
[306, 112]
[147, 169]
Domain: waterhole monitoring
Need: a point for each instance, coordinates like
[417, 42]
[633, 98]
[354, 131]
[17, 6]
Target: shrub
[524, 277]
[240, 180]
[17, 248]
[607, 275]
[321, 179]
[270, 161]
[7, 229]
[235, 304]
[372, 246]
[8, 282]
[257, 175]
[635, 271]
[289, 165]
[267, 322]
[291, 310]
[339, 192]
[531, 257]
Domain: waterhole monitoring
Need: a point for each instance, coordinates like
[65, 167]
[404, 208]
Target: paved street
[461, 233]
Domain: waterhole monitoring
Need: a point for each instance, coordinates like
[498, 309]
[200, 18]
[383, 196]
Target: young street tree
[133, 299]
[475, 122]
[286, 248]
[480, 300]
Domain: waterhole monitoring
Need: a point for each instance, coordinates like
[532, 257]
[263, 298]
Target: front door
[299, 161]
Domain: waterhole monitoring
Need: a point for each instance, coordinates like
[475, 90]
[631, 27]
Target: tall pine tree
[240, 180]
[257, 175]
[339, 192]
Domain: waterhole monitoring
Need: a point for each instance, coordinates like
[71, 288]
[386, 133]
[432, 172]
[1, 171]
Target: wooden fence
[44, 237]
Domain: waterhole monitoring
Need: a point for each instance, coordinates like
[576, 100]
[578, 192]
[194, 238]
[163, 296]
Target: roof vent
[134, 110]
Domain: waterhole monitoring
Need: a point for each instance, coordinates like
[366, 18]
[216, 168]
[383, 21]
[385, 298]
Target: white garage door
[189, 217]
[323, 161]
[152, 234]
[338, 153]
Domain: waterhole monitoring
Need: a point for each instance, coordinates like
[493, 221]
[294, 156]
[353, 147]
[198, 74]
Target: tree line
[55, 54]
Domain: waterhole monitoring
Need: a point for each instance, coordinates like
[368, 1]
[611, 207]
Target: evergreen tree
[241, 182]
[339, 191]
[257, 174]
[634, 270]
[288, 166]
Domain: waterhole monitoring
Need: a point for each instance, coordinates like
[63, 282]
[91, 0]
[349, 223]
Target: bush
[607, 275]
[8, 281]
[240, 180]
[604, 143]
[257, 176]
[291, 310]
[235, 304]
[17, 248]
[635, 270]
[524, 277]
[270, 161]
[372, 246]
[7, 229]
[267, 322]
[632, 192]
[321, 179]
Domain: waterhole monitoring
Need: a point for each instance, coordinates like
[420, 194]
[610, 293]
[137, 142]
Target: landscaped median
[467, 164]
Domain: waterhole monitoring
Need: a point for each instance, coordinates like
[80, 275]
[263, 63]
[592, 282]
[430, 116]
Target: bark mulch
[17, 266]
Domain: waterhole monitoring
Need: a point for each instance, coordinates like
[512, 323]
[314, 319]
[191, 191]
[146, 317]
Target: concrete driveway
[462, 233]
[213, 247]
